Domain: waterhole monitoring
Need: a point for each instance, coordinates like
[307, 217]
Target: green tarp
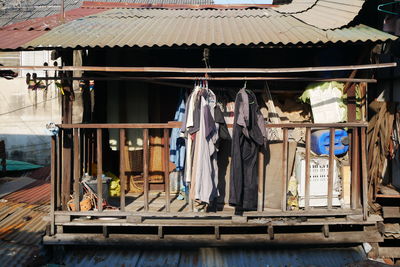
[15, 165]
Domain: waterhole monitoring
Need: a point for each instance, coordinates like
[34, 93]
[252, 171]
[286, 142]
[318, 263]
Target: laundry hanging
[177, 143]
[201, 127]
[249, 134]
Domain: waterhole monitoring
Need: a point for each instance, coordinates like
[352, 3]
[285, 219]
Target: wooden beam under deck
[211, 240]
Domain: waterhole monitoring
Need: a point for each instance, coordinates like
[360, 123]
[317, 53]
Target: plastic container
[320, 142]
[319, 172]
[92, 183]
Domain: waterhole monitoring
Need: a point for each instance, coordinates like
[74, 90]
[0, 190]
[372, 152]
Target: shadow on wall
[30, 148]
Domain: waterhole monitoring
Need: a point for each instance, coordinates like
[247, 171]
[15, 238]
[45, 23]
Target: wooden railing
[72, 145]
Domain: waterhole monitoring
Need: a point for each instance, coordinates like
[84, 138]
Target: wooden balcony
[159, 216]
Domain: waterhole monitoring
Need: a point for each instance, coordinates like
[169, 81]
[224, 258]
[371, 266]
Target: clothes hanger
[380, 8]
[247, 90]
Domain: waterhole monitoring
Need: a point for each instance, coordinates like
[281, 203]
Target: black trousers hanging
[244, 180]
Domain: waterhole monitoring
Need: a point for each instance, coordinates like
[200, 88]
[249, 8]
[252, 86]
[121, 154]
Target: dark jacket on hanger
[248, 136]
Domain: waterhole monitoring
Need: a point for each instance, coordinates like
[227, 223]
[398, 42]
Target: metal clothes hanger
[380, 8]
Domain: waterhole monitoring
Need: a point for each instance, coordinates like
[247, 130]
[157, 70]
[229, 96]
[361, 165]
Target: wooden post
[122, 175]
[77, 169]
[364, 173]
[53, 165]
[66, 144]
[66, 168]
[166, 169]
[261, 167]
[146, 168]
[99, 170]
[284, 168]
[59, 169]
[354, 170]
[331, 166]
[307, 180]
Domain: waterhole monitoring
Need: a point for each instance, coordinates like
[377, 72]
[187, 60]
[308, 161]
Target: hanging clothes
[177, 147]
[202, 132]
[248, 135]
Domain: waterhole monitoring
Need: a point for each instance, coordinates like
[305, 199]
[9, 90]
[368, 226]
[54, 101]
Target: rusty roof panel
[147, 28]
[16, 35]
[22, 223]
[21, 230]
[15, 11]
[37, 192]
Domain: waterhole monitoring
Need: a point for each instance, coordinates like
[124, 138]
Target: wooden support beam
[217, 233]
[171, 125]
[354, 171]
[105, 231]
[307, 178]
[160, 232]
[53, 174]
[59, 169]
[231, 78]
[166, 170]
[271, 232]
[284, 168]
[77, 169]
[146, 168]
[122, 176]
[261, 167]
[99, 170]
[325, 230]
[202, 70]
[364, 173]
[355, 187]
[331, 166]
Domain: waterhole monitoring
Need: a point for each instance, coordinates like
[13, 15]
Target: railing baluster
[364, 173]
[284, 168]
[59, 169]
[53, 183]
[99, 170]
[122, 176]
[331, 166]
[307, 178]
[166, 169]
[354, 170]
[260, 199]
[76, 169]
[146, 168]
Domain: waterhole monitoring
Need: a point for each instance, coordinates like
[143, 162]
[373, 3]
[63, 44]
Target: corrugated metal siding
[148, 27]
[220, 257]
[10, 58]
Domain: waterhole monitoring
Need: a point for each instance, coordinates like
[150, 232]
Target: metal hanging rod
[295, 79]
[201, 70]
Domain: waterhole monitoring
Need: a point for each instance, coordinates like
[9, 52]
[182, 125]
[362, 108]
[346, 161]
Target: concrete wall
[23, 118]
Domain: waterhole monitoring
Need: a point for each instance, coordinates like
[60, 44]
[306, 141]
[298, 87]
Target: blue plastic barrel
[320, 142]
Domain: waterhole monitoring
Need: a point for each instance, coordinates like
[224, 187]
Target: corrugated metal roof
[21, 230]
[15, 11]
[37, 192]
[220, 257]
[150, 27]
[16, 35]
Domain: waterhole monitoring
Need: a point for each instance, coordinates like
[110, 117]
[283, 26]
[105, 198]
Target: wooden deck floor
[157, 203]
